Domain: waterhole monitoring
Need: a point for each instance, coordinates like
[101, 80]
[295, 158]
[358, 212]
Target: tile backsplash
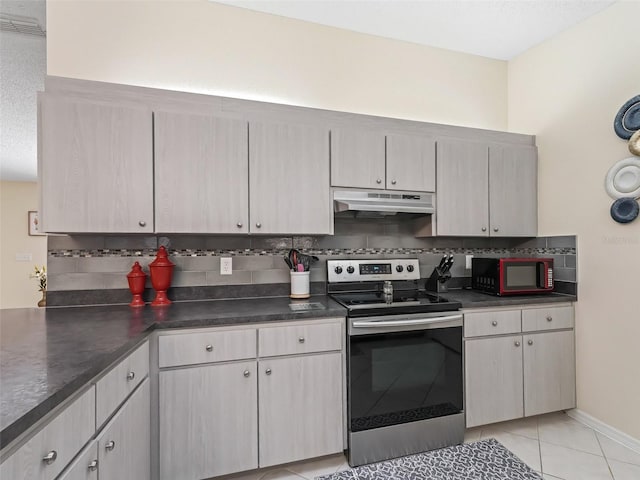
[84, 262]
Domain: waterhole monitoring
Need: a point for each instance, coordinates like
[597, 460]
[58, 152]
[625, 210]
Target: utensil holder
[299, 285]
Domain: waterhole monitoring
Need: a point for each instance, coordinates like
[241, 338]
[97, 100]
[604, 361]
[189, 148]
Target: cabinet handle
[517, 343]
[379, 180]
[549, 318]
[239, 224]
[50, 457]
[142, 223]
[530, 342]
[110, 445]
[93, 466]
[258, 225]
[246, 373]
[131, 375]
[301, 339]
[209, 348]
[495, 229]
[268, 371]
[494, 323]
[484, 229]
[393, 182]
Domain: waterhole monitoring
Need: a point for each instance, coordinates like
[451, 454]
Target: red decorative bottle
[161, 270]
[137, 279]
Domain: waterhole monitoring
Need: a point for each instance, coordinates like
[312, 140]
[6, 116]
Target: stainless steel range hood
[383, 202]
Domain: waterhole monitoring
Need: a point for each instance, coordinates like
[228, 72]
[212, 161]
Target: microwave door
[522, 276]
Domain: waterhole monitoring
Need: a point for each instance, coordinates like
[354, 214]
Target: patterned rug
[484, 460]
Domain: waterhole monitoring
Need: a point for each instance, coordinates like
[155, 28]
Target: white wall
[17, 288]
[205, 47]
[567, 91]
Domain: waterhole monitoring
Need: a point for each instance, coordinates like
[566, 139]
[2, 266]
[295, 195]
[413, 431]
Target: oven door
[403, 369]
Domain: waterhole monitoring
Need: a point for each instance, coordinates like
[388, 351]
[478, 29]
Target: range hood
[383, 202]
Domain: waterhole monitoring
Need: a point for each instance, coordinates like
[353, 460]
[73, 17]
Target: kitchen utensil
[448, 265]
[443, 260]
[288, 262]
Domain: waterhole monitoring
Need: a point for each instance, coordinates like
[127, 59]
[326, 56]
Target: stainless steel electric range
[405, 364]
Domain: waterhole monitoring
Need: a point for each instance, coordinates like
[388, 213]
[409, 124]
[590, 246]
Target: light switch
[23, 257]
[468, 262]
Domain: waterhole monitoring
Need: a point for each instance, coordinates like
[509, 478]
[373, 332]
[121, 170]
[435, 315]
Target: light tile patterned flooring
[554, 445]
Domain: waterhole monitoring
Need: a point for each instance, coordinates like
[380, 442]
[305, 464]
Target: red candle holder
[137, 279]
[161, 270]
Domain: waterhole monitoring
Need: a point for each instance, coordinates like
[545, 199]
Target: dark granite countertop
[47, 354]
[475, 299]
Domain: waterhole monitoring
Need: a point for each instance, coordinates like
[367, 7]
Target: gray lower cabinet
[85, 466]
[208, 420]
[518, 369]
[201, 173]
[124, 445]
[486, 190]
[299, 407]
[289, 179]
[95, 167]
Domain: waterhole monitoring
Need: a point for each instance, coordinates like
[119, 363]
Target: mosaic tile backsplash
[101, 262]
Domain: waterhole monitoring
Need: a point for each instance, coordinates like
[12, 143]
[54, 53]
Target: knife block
[437, 281]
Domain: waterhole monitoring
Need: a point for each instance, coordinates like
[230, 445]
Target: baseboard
[607, 430]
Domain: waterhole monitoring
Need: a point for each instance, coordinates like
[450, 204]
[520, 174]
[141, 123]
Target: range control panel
[372, 270]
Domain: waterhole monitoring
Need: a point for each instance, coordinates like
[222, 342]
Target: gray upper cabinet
[462, 189]
[369, 159]
[201, 174]
[513, 192]
[486, 190]
[357, 158]
[289, 179]
[96, 167]
[411, 163]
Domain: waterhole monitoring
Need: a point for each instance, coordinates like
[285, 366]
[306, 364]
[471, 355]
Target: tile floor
[554, 445]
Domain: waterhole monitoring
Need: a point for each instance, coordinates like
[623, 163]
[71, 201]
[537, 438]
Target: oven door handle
[406, 323]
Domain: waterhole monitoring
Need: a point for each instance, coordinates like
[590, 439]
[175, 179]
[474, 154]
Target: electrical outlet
[225, 266]
[468, 262]
[23, 257]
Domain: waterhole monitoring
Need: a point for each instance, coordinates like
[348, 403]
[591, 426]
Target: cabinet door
[411, 163]
[513, 191]
[208, 421]
[462, 190]
[357, 158]
[201, 174]
[549, 372]
[300, 408]
[124, 444]
[85, 466]
[289, 179]
[493, 379]
[96, 169]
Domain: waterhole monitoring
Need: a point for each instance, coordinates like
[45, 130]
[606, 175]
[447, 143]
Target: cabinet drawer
[115, 386]
[206, 347]
[491, 323]
[292, 339]
[548, 318]
[62, 439]
[85, 467]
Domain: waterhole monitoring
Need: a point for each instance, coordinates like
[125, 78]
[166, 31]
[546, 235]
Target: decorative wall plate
[623, 179]
[627, 119]
[625, 210]
[634, 143]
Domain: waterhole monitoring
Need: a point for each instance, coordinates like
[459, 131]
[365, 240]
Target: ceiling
[498, 29]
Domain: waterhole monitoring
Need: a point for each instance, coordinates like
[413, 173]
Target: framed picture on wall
[34, 224]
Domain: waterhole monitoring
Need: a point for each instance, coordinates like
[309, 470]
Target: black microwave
[512, 276]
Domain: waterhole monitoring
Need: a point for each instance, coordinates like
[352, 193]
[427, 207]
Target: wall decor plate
[623, 179]
[634, 143]
[627, 119]
[625, 210]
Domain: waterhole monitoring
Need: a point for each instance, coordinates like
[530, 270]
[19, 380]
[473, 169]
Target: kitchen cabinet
[208, 420]
[370, 159]
[85, 466]
[289, 179]
[51, 448]
[124, 445]
[511, 374]
[95, 167]
[280, 403]
[201, 173]
[486, 190]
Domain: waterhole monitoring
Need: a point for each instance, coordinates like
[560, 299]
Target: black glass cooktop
[404, 302]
